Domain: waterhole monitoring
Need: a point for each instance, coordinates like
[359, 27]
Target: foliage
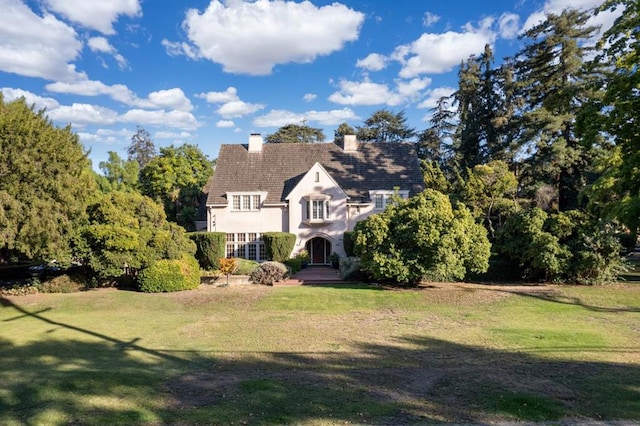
[294, 264]
[141, 150]
[385, 126]
[434, 178]
[65, 283]
[210, 247]
[128, 231]
[45, 184]
[349, 244]
[561, 94]
[278, 245]
[434, 142]
[169, 275]
[118, 175]
[227, 266]
[350, 269]
[175, 177]
[489, 186]
[342, 130]
[568, 246]
[295, 133]
[618, 189]
[269, 272]
[424, 237]
[303, 256]
[245, 266]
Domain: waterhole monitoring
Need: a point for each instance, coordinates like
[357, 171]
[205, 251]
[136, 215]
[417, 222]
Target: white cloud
[101, 44]
[232, 106]
[509, 25]
[225, 124]
[30, 98]
[229, 95]
[368, 93]
[373, 62]
[308, 97]
[80, 114]
[279, 118]
[430, 19]
[235, 109]
[432, 96]
[172, 135]
[36, 46]
[170, 98]
[97, 15]
[175, 119]
[438, 53]
[253, 37]
[174, 48]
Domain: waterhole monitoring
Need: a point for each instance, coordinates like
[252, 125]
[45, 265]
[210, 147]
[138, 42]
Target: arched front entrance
[319, 250]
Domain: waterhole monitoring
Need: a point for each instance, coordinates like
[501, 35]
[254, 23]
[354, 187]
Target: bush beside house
[279, 245]
[169, 275]
[210, 247]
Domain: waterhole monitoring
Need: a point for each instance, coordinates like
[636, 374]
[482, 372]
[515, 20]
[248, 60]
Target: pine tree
[555, 83]
[385, 126]
[141, 148]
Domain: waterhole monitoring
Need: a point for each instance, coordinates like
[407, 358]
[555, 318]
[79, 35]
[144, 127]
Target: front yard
[322, 355]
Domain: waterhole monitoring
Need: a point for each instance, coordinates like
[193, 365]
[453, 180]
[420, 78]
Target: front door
[319, 250]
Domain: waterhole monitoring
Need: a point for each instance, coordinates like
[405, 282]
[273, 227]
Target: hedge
[210, 246]
[170, 275]
[279, 245]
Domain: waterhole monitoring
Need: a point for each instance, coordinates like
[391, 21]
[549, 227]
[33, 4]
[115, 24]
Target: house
[315, 191]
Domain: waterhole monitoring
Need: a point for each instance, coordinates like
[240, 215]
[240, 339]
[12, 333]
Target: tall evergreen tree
[619, 189]
[386, 126]
[434, 143]
[555, 84]
[45, 185]
[343, 129]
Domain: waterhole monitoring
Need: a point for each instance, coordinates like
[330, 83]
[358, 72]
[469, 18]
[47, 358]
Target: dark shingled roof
[278, 168]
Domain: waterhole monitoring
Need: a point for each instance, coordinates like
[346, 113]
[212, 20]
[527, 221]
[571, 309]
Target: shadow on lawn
[418, 379]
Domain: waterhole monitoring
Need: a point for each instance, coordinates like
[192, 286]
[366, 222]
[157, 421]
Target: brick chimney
[255, 142]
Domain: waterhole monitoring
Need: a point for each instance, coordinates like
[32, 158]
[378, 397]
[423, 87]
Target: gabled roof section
[280, 167]
[316, 168]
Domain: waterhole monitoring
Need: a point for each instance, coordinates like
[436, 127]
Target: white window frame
[242, 244]
[245, 201]
[316, 208]
[382, 198]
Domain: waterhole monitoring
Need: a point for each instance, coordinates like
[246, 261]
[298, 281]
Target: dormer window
[316, 209]
[382, 198]
[248, 202]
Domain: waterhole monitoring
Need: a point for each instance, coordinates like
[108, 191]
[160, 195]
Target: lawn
[322, 355]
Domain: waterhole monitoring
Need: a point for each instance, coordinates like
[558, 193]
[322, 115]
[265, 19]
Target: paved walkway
[313, 275]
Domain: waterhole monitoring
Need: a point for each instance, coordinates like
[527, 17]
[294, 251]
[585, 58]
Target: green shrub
[210, 246]
[245, 266]
[64, 284]
[424, 237]
[294, 264]
[168, 275]
[570, 246]
[628, 241]
[269, 272]
[349, 243]
[279, 245]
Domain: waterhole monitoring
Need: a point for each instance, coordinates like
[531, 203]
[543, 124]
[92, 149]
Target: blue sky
[209, 72]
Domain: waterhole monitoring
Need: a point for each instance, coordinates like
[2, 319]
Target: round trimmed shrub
[269, 272]
[168, 275]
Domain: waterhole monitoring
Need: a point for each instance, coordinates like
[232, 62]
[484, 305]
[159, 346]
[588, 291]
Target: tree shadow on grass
[98, 379]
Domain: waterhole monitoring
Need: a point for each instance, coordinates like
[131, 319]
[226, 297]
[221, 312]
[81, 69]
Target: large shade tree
[385, 126]
[296, 133]
[45, 184]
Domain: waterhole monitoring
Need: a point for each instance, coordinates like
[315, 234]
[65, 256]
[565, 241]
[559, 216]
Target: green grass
[322, 355]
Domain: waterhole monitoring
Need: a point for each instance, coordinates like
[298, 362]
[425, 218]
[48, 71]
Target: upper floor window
[382, 199]
[245, 202]
[317, 208]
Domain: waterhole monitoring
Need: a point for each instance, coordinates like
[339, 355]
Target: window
[245, 202]
[317, 176]
[246, 246]
[382, 199]
[316, 208]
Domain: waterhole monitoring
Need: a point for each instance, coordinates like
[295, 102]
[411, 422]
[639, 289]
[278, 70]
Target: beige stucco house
[315, 191]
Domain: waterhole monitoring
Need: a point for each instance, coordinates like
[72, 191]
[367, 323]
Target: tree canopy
[141, 149]
[385, 126]
[295, 133]
[45, 184]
